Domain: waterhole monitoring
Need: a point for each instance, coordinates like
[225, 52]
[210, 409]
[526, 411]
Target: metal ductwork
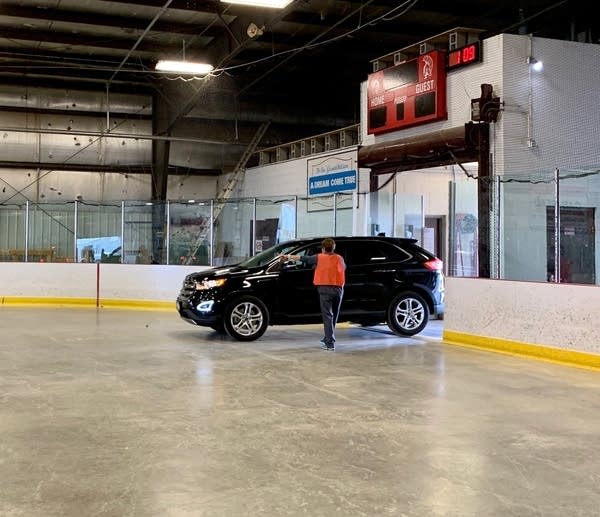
[417, 152]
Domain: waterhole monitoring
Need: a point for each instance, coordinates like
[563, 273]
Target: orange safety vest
[330, 270]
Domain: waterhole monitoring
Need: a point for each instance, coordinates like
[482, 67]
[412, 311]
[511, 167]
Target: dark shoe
[325, 346]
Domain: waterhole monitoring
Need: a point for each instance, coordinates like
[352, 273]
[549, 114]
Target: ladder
[228, 189]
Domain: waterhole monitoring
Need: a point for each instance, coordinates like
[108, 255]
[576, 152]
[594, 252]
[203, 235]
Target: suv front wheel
[246, 318]
[407, 314]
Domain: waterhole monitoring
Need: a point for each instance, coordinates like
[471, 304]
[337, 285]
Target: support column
[160, 175]
[484, 200]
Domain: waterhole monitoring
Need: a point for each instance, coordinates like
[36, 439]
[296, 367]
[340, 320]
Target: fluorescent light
[184, 67]
[536, 65]
[277, 4]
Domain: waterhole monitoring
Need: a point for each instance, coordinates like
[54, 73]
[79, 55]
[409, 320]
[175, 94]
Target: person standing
[329, 278]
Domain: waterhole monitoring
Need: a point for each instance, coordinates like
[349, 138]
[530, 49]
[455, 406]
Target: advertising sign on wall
[407, 94]
[330, 174]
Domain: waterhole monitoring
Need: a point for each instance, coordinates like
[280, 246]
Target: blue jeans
[330, 297]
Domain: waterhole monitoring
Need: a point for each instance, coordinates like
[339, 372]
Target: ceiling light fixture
[184, 67]
[276, 4]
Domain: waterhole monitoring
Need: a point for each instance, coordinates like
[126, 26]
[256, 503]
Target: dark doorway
[434, 235]
[266, 235]
[577, 244]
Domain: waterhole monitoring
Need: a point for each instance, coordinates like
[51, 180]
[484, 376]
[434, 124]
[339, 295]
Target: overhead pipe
[386, 153]
[103, 134]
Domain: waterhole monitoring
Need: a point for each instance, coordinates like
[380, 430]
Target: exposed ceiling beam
[184, 5]
[120, 169]
[40, 17]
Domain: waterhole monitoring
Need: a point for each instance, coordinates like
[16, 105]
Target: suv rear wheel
[246, 318]
[407, 314]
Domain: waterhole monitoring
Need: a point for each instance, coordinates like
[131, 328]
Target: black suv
[387, 280]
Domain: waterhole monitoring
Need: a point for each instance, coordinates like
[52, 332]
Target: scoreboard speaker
[476, 134]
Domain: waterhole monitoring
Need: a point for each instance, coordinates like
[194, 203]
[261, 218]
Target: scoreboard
[407, 94]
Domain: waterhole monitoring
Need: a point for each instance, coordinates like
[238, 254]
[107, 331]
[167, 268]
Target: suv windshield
[269, 254]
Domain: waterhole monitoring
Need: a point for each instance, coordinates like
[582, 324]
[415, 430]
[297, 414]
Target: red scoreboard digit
[463, 56]
[407, 94]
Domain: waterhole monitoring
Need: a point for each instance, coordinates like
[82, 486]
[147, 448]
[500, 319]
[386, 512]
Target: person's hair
[328, 244]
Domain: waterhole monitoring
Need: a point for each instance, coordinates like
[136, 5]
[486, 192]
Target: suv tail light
[434, 264]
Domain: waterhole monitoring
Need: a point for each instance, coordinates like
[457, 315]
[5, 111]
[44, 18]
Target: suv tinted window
[370, 252]
[313, 249]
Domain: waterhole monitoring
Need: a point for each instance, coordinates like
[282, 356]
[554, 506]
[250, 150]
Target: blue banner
[336, 182]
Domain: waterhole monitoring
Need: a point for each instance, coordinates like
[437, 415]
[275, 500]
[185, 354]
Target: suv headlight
[209, 284]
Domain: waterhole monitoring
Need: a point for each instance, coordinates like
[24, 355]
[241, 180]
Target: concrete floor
[137, 413]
